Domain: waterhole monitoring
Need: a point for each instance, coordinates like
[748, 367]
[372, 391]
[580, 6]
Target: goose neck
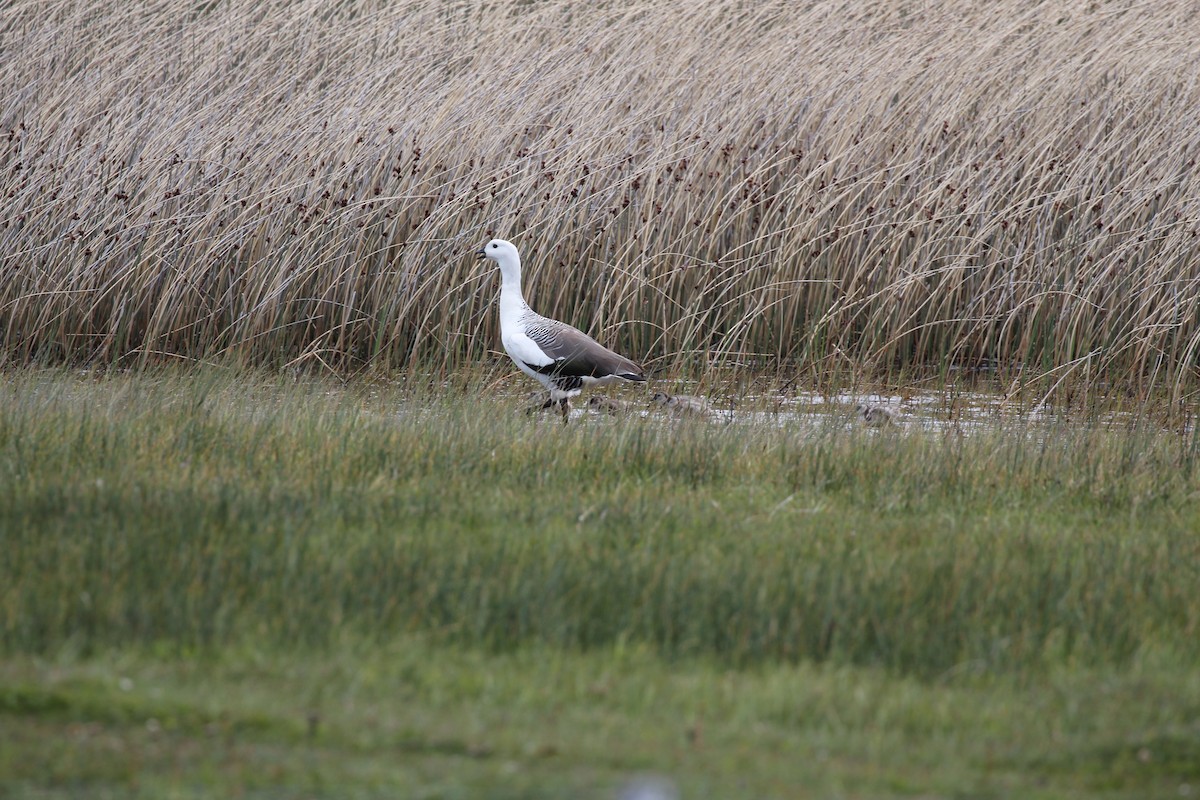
[512, 302]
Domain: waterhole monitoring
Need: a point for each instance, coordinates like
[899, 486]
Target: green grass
[409, 719]
[470, 602]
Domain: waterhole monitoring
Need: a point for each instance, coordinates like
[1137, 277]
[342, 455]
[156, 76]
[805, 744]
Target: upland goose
[560, 357]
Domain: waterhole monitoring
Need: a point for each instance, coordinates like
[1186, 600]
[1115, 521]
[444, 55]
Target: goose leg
[563, 405]
[535, 407]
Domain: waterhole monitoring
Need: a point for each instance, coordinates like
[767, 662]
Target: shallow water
[960, 413]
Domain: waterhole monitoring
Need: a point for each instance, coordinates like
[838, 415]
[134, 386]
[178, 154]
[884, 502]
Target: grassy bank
[431, 572]
[204, 511]
[408, 719]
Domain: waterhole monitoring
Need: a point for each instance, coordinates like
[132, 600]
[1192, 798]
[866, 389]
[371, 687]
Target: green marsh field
[273, 523]
[222, 584]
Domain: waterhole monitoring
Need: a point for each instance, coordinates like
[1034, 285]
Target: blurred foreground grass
[407, 719]
[214, 583]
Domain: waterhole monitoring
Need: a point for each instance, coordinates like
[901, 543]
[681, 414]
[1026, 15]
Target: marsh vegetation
[273, 525]
[652, 574]
[875, 185]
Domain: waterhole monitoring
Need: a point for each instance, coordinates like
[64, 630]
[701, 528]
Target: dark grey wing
[576, 354]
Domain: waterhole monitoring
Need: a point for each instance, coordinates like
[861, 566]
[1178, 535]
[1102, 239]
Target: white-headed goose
[562, 358]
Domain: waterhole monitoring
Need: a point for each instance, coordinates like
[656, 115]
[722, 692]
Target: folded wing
[573, 353]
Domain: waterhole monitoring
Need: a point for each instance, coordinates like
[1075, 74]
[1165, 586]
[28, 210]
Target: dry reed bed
[699, 183]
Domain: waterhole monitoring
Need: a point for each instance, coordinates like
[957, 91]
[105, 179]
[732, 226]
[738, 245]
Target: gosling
[876, 416]
[682, 405]
[606, 405]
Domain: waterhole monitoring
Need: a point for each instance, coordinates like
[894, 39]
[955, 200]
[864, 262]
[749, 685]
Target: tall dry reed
[891, 185]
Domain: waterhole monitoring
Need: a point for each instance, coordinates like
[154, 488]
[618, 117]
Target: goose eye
[494, 246]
